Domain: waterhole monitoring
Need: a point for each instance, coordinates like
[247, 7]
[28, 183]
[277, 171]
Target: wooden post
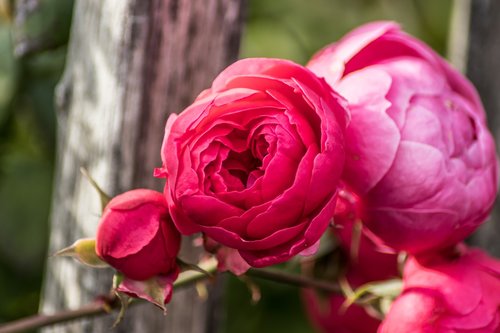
[482, 59]
[130, 64]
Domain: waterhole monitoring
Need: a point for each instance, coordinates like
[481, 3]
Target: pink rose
[255, 161]
[136, 235]
[418, 152]
[448, 293]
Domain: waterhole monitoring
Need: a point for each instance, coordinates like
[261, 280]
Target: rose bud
[327, 314]
[136, 235]
[448, 292]
[255, 161]
[418, 152]
[372, 261]
[369, 264]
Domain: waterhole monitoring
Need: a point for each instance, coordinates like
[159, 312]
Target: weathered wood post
[480, 55]
[130, 64]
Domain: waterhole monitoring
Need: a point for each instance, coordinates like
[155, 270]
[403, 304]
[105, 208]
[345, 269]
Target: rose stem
[293, 279]
[100, 307]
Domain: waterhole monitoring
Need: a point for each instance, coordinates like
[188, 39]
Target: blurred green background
[32, 55]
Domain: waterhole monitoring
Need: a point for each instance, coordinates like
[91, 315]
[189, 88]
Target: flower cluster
[377, 141]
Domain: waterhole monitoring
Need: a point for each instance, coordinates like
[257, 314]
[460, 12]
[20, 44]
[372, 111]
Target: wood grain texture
[130, 64]
[483, 68]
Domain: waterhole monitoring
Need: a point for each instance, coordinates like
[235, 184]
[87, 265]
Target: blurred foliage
[37, 35]
[279, 310]
[32, 53]
[296, 29]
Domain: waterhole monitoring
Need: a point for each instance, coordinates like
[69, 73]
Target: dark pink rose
[418, 152]
[448, 293]
[136, 235]
[255, 161]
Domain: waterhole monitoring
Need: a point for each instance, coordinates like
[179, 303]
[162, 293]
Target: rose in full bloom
[418, 152]
[137, 237]
[255, 161]
[455, 292]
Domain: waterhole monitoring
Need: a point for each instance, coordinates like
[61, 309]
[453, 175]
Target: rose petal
[459, 286]
[370, 150]
[230, 260]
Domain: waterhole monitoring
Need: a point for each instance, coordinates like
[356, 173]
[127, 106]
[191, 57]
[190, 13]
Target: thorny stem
[188, 278]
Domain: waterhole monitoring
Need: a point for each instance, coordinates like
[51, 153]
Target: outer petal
[370, 149]
[330, 62]
[416, 312]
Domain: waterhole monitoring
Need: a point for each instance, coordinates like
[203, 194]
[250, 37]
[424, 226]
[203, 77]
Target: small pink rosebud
[136, 235]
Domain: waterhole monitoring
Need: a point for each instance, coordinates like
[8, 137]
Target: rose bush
[453, 292]
[136, 235]
[418, 152]
[255, 161]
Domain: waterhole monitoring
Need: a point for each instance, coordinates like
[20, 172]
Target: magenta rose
[255, 161]
[448, 293]
[418, 152]
[136, 235]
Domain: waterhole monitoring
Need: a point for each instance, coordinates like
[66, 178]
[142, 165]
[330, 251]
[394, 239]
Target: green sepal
[375, 296]
[186, 266]
[103, 196]
[156, 290]
[253, 288]
[388, 288]
[84, 251]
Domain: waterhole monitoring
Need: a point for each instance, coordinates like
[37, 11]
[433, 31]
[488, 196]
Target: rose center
[240, 170]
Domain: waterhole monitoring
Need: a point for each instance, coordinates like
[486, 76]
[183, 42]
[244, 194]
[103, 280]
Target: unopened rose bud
[84, 251]
[136, 235]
